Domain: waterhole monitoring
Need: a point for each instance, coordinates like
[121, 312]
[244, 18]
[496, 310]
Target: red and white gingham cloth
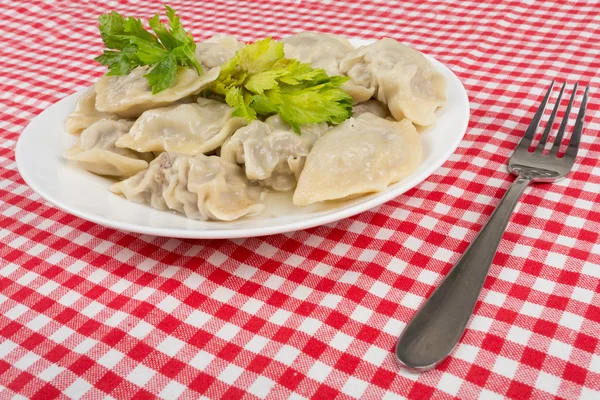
[87, 311]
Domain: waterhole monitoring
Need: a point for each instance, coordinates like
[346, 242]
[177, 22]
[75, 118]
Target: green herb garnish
[133, 46]
[260, 81]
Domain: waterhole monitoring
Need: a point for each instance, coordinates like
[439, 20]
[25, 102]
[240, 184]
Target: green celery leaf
[235, 99]
[263, 105]
[262, 81]
[261, 55]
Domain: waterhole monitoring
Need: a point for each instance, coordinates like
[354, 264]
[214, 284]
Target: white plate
[76, 191]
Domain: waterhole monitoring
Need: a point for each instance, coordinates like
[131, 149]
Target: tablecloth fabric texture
[87, 311]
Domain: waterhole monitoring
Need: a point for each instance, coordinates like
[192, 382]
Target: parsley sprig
[131, 45]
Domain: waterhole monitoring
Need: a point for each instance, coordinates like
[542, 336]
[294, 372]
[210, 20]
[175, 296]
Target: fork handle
[437, 327]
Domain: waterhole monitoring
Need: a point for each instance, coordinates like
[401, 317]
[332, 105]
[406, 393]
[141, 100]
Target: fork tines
[577, 130]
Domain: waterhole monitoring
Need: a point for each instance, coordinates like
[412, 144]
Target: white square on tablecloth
[198, 318]
[595, 364]
[168, 304]
[396, 265]
[280, 316]
[302, 292]
[38, 322]
[252, 305]
[583, 295]
[379, 289]
[411, 301]
[354, 387]
[505, 367]
[69, 298]
[449, 384]
[116, 318]
[77, 389]
[443, 254]
[559, 349]
[330, 300]
[144, 293]
[376, 355]
[51, 372]
[394, 326]
[310, 325]
[341, 341]
[261, 387]
[256, 344]
[231, 373]
[287, 354]
[170, 346]
[531, 309]
[548, 383]
[428, 277]
[85, 345]
[172, 390]
[556, 260]
[488, 395]
[571, 321]
[7, 346]
[141, 330]
[111, 358]
[222, 294]
[201, 360]
[518, 335]
[495, 298]
[319, 371]
[61, 334]
[93, 309]
[228, 331]
[349, 277]
[27, 360]
[361, 314]
[466, 352]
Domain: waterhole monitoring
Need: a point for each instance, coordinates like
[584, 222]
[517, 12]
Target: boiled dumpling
[85, 113]
[271, 152]
[96, 151]
[201, 187]
[321, 50]
[190, 129]
[401, 77]
[362, 155]
[216, 50]
[324, 51]
[129, 95]
[371, 106]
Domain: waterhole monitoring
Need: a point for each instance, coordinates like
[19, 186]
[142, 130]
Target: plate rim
[329, 217]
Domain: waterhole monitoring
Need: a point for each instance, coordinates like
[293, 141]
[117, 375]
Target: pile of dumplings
[178, 151]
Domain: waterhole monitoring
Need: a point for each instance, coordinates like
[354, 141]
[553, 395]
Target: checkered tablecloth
[90, 312]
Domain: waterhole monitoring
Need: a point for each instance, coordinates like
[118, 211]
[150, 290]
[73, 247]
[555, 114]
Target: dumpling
[129, 95]
[96, 150]
[321, 50]
[362, 155]
[325, 51]
[371, 106]
[85, 113]
[271, 152]
[190, 129]
[401, 77]
[216, 50]
[201, 187]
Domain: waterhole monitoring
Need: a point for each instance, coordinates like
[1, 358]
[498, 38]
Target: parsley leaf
[260, 81]
[130, 45]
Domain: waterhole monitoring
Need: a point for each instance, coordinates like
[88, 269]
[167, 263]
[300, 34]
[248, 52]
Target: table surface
[91, 312]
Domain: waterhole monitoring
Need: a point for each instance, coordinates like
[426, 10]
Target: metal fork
[437, 327]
